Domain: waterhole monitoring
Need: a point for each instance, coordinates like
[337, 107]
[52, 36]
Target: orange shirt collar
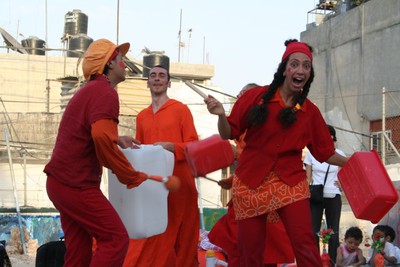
[278, 98]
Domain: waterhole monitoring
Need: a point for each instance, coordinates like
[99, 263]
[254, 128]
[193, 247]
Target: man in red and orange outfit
[169, 123]
[87, 140]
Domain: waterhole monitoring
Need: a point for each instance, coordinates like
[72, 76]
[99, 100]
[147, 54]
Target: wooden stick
[210, 179]
[197, 90]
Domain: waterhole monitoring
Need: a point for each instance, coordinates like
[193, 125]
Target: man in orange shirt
[169, 123]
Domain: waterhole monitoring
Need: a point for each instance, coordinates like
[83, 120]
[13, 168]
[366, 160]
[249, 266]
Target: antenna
[180, 37]
[11, 42]
[190, 36]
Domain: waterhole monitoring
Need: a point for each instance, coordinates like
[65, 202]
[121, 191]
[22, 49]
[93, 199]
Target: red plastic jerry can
[208, 155]
[367, 185]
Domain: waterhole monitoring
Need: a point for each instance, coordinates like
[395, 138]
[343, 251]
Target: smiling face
[158, 81]
[297, 72]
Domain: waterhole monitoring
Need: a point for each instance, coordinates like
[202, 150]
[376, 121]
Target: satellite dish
[11, 42]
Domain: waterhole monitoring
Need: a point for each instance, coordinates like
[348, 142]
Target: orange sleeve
[105, 138]
[188, 134]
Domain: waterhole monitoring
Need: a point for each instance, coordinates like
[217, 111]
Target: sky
[244, 40]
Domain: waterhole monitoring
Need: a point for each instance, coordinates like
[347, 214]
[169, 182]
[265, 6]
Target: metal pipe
[21, 229]
[200, 204]
[383, 141]
[117, 22]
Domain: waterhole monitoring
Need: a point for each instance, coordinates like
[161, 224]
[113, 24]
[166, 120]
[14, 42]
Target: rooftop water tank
[76, 22]
[34, 46]
[78, 44]
[151, 60]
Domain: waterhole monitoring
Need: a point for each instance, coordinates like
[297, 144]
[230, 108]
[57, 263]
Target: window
[376, 141]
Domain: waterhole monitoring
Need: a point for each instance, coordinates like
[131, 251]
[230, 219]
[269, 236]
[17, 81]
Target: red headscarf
[297, 47]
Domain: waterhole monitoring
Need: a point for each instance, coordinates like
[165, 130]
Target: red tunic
[269, 147]
[86, 141]
[224, 233]
[80, 152]
[173, 122]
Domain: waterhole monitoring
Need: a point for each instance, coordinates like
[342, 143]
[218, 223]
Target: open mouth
[298, 81]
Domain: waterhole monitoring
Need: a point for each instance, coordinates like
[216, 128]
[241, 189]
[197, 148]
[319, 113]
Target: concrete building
[355, 57]
[357, 82]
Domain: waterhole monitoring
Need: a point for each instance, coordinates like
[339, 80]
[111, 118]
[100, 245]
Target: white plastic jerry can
[143, 209]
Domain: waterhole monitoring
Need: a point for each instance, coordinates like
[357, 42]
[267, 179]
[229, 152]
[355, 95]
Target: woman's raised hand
[214, 106]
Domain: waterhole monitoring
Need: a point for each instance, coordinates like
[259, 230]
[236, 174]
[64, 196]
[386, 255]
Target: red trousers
[85, 214]
[297, 220]
[277, 245]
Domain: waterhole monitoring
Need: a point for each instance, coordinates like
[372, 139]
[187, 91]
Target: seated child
[388, 250]
[348, 254]
[390, 237]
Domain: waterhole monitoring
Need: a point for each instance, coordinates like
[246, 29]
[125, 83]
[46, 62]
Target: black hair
[258, 113]
[106, 69]
[332, 131]
[355, 233]
[380, 227]
[389, 231]
[113, 57]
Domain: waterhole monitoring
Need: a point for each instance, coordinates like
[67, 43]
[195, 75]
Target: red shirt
[270, 147]
[74, 161]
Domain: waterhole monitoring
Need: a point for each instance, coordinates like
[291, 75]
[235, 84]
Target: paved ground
[22, 261]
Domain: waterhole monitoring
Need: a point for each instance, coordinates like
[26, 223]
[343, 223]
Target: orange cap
[98, 54]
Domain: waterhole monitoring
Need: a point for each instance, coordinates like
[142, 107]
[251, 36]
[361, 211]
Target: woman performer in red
[280, 121]
[224, 232]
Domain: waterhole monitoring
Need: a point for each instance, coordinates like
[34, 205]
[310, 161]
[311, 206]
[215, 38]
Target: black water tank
[76, 22]
[152, 60]
[77, 45]
[34, 45]
[66, 86]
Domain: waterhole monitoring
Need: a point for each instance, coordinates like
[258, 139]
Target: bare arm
[215, 107]
[309, 173]
[224, 128]
[337, 159]
[339, 257]
[127, 141]
[167, 146]
[361, 259]
[390, 259]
